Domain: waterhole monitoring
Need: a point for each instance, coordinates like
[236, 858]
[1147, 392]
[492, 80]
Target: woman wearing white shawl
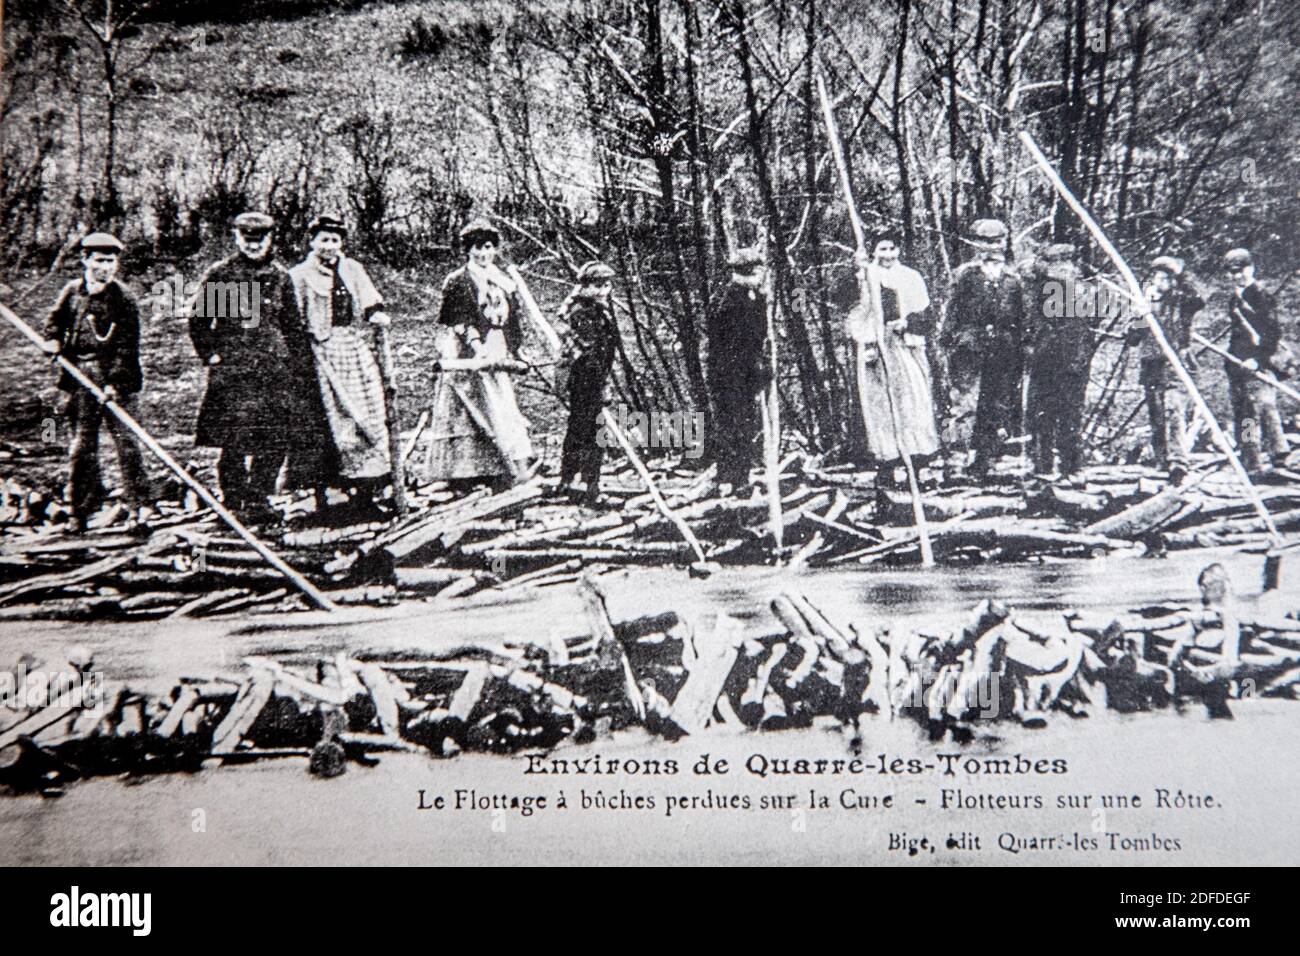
[477, 428]
[333, 294]
[893, 371]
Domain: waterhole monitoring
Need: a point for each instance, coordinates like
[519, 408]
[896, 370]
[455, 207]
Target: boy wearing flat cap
[593, 344]
[95, 323]
[738, 370]
[1174, 298]
[251, 402]
[1256, 335]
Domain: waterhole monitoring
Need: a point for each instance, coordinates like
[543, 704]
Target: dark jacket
[593, 332]
[1255, 306]
[1060, 311]
[460, 307]
[251, 388]
[985, 320]
[1175, 317]
[738, 361]
[100, 332]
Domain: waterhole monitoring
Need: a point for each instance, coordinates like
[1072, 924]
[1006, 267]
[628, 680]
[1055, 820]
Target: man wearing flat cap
[252, 398]
[1173, 295]
[592, 345]
[334, 297]
[738, 370]
[983, 340]
[95, 323]
[1254, 340]
[1062, 310]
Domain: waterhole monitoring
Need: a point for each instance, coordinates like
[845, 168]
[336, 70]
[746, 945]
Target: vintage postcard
[649, 432]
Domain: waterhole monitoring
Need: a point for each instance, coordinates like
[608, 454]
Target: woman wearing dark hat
[478, 430]
[333, 293]
[893, 371]
[593, 344]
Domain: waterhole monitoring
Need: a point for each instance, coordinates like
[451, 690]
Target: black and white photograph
[651, 432]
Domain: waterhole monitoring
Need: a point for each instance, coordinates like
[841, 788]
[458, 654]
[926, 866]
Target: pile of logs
[673, 676]
[450, 546]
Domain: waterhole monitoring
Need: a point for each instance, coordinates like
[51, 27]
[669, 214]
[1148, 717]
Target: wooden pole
[869, 290]
[644, 472]
[420, 424]
[384, 351]
[271, 558]
[771, 413]
[1257, 373]
[534, 312]
[1148, 315]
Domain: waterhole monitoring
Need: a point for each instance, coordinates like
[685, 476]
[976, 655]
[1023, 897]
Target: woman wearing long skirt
[893, 372]
[478, 431]
[332, 292]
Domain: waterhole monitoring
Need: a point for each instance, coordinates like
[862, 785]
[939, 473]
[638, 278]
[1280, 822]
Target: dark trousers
[85, 491]
[582, 455]
[247, 478]
[1056, 398]
[1257, 420]
[737, 444]
[998, 406]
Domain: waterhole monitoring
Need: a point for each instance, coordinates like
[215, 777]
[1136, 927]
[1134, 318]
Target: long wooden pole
[122, 415]
[869, 290]
[1257, 373]
[644, 472]
[384, 350]
[771, 411]
[1148, 315]
[534, 312]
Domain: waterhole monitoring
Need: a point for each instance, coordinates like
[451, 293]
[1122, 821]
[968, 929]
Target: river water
[273, 812]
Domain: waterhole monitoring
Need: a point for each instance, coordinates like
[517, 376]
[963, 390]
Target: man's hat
[1060, 252]
[746, 260]
[101, 242]
[327, 223]
[595, 271]
[1170, 264]
[988, 233]
[1236, 258]
[479, 228]
[254, 223]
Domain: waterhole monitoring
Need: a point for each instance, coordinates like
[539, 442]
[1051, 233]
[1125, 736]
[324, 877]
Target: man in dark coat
[738, 369]
[95, 323]
[1175, 301]
[593, 345]
[235, 321]
[983, 338]
[1256, 335]
[1062, 311]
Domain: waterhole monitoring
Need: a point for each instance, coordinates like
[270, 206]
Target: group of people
[299, 395]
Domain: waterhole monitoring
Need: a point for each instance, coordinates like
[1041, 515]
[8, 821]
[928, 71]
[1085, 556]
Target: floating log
[96, 569]
[692, 708]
